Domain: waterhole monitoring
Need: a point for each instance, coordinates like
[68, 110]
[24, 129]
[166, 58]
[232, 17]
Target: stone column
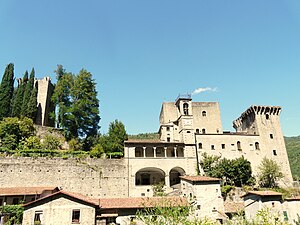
[175, 152]
[144, 152]
[165, 149]
[154, 153]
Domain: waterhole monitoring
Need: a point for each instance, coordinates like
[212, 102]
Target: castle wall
[92, 177]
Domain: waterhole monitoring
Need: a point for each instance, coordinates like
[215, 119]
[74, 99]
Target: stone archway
[149, 176]
[175, 174]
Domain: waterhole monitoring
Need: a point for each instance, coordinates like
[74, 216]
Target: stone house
[258, 200]
[61, 208]
[204, 193]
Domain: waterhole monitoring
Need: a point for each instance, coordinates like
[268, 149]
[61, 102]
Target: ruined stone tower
[45, 106]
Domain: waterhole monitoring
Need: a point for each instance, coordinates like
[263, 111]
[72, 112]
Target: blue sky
[143, 52]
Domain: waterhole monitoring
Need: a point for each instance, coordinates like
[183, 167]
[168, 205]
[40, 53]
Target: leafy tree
[233, 172]
[84, 111]
[117, 135]
[6, 91]
[270, 172]
[13, 130]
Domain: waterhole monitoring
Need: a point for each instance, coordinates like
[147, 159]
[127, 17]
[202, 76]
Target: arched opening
[170, 152]
[175, 174]
[256, 146]
[197, 131]
[185, 109]
[203, 113]
[160, 152]
[149, 152]
[180, 152]
[203, 131]
[267, 116]
[200, 145]
[239, 147]
[139, 152]
[149, 176]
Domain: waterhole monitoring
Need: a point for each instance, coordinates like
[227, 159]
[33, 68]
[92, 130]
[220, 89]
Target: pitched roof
[199, 178]
[233, 207]
[263, 193]
[138, 202]
[296, 198]
[77, 196]
[10, 191]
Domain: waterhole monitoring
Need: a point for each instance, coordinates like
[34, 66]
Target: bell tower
[185, 118]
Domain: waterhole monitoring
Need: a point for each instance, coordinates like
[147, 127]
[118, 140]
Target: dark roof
[12, 191]
[263, 193]
[199, 178]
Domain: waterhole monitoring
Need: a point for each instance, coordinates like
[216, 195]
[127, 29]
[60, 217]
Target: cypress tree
[6, 91]
[27, 93]
[18, 98]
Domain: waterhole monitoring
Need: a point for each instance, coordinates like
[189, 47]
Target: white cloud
[200, 90]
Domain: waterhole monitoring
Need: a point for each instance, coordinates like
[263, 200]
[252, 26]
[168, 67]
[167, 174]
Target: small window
[274, 152]
[285, 215]
[142, 194]
[168, 128]
[188, 132]
[203, 113]
[271, 136]
[198, 207]
[203, 131]
[200, 145]
[223, 146]
[186, 109]
[197, 131]
[267, 116]
[212, 147]
[273, 204]
[37, 217]
[239, 147]
[75, 216]
[168, 139]
[256, 146]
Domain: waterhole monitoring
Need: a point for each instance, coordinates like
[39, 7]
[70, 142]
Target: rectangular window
[212, 147]
[38, 217]
[75, 216]
[271, 136]
[274, 152]
[168, 139]
[285, 215]
[168, 128]
[223, 146]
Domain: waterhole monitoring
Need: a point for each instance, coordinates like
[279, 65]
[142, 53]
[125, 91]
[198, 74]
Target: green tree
[18, 97]
[29, 88]
[270, 173]
[84, 110]
[26, 94]
[117, 135]
[6, 91]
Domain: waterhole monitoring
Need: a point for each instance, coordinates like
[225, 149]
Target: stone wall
[92, 177]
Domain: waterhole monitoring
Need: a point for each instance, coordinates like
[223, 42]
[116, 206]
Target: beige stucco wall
[59, 212]
[292, 207]
[205, 195]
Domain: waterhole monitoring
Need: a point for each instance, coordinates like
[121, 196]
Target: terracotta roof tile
[296, 198]
[233, 207]
[199, 178]
[122, 203]
[9, 191]
[263, 193]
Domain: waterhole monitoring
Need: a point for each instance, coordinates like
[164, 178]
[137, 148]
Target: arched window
[197, 131]
[256, 146]
[203, 131]
[267, 116]
[186, 109]
[239, 147]
[200, 145]
[203, 113]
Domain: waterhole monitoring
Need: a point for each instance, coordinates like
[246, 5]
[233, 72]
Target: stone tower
[45, 106]
[265, 122]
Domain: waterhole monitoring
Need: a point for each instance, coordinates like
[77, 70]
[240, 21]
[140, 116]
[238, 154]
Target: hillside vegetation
[293, 150]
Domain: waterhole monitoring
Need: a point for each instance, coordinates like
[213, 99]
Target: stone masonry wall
[92, 177]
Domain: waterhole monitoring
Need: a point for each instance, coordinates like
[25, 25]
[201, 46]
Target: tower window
[271, 136]
[203, 131]
[239, 147]
[223, 146]
[200, 145]
[274, 152]
[186, 109]
[212, 147]
[168, 139]
[267, 116]
[197, 131]
[203, 113]
[168, 128]
[256, 146]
